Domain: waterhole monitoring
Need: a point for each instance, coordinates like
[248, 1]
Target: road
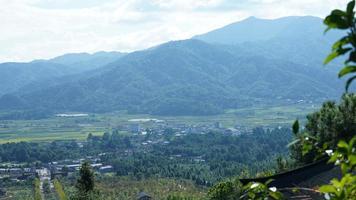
[44, 175]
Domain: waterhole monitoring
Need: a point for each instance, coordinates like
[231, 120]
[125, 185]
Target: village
[148, 132]
[157, 128]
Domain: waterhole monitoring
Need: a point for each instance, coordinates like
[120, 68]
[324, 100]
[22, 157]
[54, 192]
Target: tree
[37, 190]
[106, 137]
[90, 137]
[324, 128]
[228, 190]
[59, 190]
[85, 183]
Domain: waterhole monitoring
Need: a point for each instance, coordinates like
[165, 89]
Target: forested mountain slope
[194, 77]
[15, 75]
[184, 77]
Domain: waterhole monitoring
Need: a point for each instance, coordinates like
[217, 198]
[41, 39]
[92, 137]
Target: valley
[77, 128]
[185, 119]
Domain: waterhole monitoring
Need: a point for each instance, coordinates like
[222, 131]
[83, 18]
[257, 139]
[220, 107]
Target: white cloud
[33, 29]
[186, 4]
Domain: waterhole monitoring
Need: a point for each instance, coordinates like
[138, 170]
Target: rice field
[69, 128]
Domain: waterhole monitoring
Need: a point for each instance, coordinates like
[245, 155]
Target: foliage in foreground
[345, 157]
[37, 189]
[344, 20]
[343, 189]
[234, 190]
[59, 190]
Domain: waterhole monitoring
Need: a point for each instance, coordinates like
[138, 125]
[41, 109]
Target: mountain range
[247, 63]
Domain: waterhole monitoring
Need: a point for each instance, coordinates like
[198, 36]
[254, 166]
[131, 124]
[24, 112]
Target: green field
[66, 128]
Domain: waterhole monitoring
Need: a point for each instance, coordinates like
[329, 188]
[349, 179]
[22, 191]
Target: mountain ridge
[197, 77]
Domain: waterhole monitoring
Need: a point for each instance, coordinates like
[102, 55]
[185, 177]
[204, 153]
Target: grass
[57, 128]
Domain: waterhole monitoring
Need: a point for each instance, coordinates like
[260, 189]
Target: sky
[42, 29]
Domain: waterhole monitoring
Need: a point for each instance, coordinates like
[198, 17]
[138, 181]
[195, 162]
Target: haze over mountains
[251, 62]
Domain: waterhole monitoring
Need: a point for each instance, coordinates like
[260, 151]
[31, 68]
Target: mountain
[86, 61]
[181, 78]
[202, 76]
[299, 39]
[16, 76]
[254, 29]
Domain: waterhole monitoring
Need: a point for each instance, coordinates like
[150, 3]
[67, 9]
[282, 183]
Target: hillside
[16, 76]
[193, 77]
[298, 39]
[184, 77]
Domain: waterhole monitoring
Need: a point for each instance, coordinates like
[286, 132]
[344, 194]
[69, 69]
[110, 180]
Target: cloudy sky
[33, 29]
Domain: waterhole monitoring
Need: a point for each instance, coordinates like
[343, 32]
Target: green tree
[228, 190]
[37, 189]
[59, 190]
[106, 137]
[85, 183]
[324, 129]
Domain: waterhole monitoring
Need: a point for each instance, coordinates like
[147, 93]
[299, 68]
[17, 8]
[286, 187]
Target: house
[106, 169]
[135, 128]
[15, 172]
[96, 165]
[143, 196]
[217, 125]
[3, 171]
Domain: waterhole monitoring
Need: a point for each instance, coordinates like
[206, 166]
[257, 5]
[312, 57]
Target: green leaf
[335, 54]
[293, 142]
[327, 29]
[344, 168]
[346, 70]
[342, 144]
[296, 127]
[348, 83]
[337, 19]
[268, 181]
[276, 195]
[352, 142]
[338, 12]
[307, 147]
[352, 57]
[350, 7]
[331, 57]
[341, 42]
[352, 160]
[327, 189]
